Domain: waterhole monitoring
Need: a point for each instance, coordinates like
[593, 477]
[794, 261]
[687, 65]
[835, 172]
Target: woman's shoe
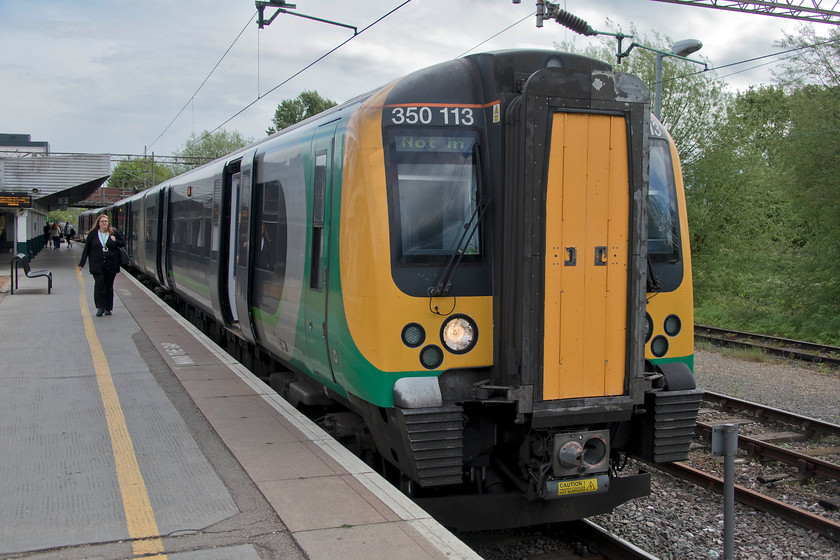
[99, 312]
[107, 312]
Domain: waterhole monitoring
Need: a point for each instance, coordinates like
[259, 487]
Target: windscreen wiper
[653, 283]
[444, 283]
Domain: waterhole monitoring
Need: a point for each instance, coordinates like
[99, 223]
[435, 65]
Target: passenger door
[317, 290]
[242, 242]
[232, 179]
[164, 262]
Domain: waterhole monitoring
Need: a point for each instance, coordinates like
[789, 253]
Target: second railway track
[779, 466]
[770, 345]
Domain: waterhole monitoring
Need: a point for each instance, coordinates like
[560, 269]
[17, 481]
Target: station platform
[134, 436]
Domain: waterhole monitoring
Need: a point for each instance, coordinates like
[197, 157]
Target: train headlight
[459, 334]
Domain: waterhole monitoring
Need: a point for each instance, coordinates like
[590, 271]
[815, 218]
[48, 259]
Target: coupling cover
[581, 453]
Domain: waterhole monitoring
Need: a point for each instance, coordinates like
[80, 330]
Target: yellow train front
[494, 271]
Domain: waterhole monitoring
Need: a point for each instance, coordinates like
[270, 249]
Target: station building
[34, 181]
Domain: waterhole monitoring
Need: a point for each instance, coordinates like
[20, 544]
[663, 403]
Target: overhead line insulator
[574, 23]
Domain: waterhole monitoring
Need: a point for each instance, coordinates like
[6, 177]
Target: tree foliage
[291, 111]
[763, 203]
[208, 146]
[760, 170]
[139, 174]
[693, 101]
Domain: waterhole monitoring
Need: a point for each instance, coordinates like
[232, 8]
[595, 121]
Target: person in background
[55, 233]
[46, 235]
[102, 247]
[69, 233]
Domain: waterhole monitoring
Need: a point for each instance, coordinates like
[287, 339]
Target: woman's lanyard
[103, 238]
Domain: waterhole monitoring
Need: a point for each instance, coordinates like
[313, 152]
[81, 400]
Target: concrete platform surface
[133, 435]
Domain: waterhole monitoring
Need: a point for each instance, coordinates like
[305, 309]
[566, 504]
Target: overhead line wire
[204, 82]
[804, 47]
[308, 66]
[389, 13]
[497, 34]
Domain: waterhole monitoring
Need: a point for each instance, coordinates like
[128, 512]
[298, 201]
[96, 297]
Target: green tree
[291, 111]
[63, 216]
[763, 203]
[740, 213]
[811, 77]
[139, 174]
[207, 146]
[693, 102]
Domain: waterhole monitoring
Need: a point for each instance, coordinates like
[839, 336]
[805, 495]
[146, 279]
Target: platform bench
[22, 260]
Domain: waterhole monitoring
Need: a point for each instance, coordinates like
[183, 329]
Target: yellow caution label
[582, 486]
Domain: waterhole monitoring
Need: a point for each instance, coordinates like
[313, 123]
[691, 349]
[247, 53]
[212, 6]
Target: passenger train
[486, 263]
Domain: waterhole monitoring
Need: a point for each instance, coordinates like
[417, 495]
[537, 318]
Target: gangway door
[587, 221]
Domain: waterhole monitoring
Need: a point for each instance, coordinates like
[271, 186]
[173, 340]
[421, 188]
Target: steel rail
[610, 545]
[807, 465]
[773, 345]
[756, 500]
[810, 425]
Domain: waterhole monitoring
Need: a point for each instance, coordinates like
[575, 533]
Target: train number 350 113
[437, 116]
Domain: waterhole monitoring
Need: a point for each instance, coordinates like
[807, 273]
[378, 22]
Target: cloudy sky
[124, 76]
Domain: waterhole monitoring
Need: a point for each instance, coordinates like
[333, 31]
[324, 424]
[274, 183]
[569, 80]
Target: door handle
[600, 256]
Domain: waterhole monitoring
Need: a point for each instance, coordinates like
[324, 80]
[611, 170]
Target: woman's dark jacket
[101, 261]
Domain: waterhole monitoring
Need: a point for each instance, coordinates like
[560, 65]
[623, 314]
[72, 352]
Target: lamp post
[680, 49]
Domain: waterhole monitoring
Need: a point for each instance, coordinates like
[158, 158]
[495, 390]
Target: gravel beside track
[681, 521]
[807, 390]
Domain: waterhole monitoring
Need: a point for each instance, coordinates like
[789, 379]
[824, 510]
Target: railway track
[783, 427]
[557, 541]
[770, 345]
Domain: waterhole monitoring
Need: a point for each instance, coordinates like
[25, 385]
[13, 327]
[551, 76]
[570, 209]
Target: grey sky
[110, 76]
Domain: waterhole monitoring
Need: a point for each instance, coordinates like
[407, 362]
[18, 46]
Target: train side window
[664, 244]
[316, 273]
[663, 218]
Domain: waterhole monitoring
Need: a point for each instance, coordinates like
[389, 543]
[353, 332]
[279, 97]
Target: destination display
[15, 200]
[459, 144]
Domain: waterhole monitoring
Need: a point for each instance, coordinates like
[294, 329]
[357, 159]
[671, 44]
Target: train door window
[434, 195]
[233, 244]
[135, 221]
[151, 225]
[316, 276]
[270, 255]
[206, 223]
[198, 226]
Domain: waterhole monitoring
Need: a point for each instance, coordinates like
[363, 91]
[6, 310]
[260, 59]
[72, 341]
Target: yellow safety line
[139, 516]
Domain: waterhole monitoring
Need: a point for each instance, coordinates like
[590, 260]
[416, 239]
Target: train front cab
[538, 418]
[582, 344]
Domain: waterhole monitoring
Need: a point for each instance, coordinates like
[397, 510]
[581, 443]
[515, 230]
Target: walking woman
[102, 247]
[55, 232]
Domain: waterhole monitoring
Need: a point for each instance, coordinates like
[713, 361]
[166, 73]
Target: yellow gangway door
[587, 228]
